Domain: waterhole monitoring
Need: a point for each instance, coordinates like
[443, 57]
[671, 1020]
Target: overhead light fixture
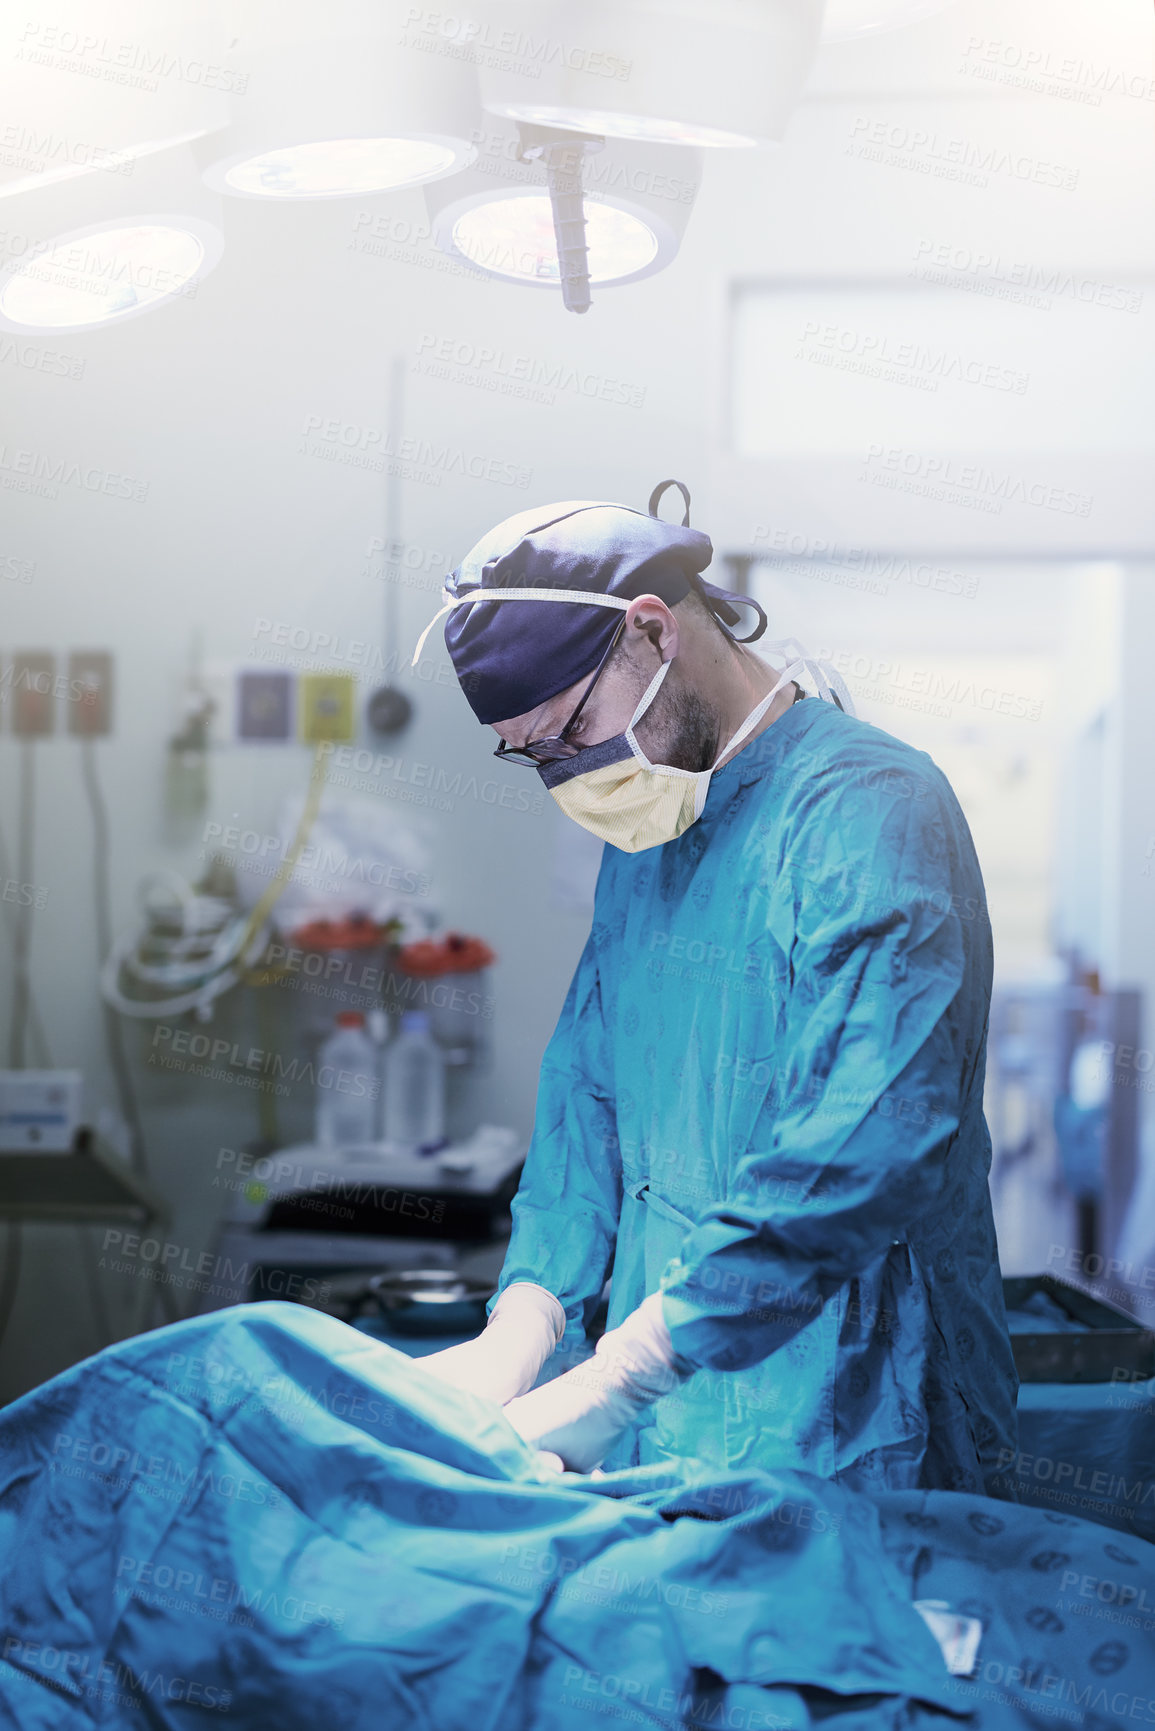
[147, 241]
[845, 20]
[110, 271]
[552, 210]
[612, 123]
[342, 106]
[712, 74]
[338, 167]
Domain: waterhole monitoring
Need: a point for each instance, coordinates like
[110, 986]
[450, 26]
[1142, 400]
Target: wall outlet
[31, 679]
[327, 707]
[90, 693]
[264, 706]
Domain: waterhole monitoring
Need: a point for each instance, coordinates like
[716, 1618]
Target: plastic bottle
[347, 1084]
[415, 1085]
[377, 1028]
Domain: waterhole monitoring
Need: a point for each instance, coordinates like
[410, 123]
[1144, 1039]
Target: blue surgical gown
[764, 1097]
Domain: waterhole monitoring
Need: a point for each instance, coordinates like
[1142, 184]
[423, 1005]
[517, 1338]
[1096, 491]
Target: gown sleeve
[565, 1213]
[883, 1040]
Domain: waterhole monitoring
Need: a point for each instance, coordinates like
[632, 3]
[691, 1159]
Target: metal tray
[430, 1300]
[1080, 1339]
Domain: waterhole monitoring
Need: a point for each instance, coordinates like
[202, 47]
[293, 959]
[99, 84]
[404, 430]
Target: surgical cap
[515, 655]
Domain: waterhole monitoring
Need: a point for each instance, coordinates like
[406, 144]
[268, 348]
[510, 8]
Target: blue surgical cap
[512, 656]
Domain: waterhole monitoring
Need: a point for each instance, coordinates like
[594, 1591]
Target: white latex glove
[524, 1326]
[579, 1415]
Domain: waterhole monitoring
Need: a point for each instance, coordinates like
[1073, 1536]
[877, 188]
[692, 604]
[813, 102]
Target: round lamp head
[343, 104]
[511, 235]
[100, 275]
[498, 218]
[338, 167]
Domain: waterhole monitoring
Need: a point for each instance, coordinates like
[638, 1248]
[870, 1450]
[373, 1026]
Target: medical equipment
[341, 108]
[85, 1186]
[552, 209]
[1060, 1334]
[1063, 1085]
[77, 280]
[708, 73]
[346, 961]
[847, 20]
[430, 1301]
[303, 1213]
[389, 709]
[186, 771]
[191, 948]
[194, 946]
[39, 1110]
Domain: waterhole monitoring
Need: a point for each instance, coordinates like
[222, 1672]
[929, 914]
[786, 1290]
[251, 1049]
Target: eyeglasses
[538, 751]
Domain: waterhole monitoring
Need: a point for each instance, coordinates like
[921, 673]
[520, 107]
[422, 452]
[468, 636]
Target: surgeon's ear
[649, 617]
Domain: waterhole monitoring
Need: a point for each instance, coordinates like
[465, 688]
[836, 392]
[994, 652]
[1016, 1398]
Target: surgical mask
[614, 791]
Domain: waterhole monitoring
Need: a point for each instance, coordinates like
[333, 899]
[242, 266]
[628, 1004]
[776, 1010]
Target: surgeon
[761, 1108]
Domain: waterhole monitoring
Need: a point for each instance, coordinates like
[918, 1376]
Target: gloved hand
[524, 1326]
[579, 1415]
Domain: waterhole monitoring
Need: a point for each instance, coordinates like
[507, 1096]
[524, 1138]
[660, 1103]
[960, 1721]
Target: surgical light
[341, 167]
[566, 211]
[705, 73]
[341, 104]
[844, 20]
[514, 237]
[95, 276]
[649, 129]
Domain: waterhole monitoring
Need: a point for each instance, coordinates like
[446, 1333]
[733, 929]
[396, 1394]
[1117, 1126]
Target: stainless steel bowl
[430, 1300]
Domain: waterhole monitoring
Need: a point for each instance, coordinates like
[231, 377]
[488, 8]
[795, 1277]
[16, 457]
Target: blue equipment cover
[1089, 1449]
[261, 1519]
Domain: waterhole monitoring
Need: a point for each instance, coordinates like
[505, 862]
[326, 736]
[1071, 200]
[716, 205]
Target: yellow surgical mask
[613, 790]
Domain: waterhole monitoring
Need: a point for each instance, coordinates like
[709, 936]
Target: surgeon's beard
[681, 729]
